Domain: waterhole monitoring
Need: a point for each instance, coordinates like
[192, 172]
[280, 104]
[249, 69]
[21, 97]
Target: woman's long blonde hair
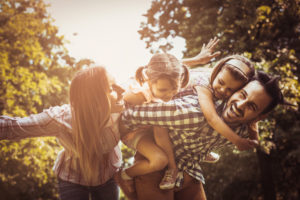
[90, 107]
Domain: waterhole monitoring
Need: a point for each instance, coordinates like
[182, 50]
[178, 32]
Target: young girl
[87, 130]
[160, 80]
[229, 75]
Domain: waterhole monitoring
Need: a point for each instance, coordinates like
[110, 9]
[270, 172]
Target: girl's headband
[239, 65]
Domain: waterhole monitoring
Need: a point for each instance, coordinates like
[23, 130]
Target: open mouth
[234, 111]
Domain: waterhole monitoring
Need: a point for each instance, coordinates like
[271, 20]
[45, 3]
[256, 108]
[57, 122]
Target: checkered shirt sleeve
[177, 114]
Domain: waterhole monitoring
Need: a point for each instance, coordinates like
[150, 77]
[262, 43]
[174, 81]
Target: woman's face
[117, 104]
[116, 100]
[163, 89]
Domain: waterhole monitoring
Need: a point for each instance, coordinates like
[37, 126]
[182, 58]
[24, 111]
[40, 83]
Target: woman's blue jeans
[72, 191]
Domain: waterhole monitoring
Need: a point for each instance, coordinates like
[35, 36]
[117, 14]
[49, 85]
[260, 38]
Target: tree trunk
[265, 162]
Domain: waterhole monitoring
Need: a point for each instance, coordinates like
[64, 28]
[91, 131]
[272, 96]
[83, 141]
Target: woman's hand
[117, 104]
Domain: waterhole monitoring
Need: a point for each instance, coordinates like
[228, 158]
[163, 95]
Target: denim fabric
[72, 191]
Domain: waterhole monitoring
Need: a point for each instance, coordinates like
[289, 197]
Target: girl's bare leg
[155, 160]
[163, 140]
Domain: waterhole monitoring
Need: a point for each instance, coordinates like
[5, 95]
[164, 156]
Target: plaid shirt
[191, 135]
[199, 77]
[56, 121]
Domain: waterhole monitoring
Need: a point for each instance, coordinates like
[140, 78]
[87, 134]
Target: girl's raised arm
[206, 54]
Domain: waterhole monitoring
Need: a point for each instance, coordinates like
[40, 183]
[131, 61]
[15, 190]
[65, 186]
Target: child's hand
[207, 52]
[246, 144]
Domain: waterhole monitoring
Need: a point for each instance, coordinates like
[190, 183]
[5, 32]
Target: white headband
[241, 66]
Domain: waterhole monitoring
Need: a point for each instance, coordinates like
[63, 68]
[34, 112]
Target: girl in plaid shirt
[159, 81]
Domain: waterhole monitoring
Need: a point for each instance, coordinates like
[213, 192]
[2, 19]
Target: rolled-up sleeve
[14, 128]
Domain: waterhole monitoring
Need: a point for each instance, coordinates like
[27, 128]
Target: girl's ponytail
[185, 77]
[139, 75]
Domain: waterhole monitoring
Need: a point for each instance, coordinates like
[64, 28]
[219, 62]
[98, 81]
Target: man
[193, 138]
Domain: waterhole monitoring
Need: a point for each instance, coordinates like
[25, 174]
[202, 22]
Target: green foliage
[268, 32]
[127, 157]
[127, 154]
[35, 72]
[26, 169]
[267, 29]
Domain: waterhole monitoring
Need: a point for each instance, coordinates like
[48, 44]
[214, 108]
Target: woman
[87, 130]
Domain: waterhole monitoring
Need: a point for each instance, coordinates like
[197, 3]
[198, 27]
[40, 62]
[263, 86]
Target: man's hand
[246, 144]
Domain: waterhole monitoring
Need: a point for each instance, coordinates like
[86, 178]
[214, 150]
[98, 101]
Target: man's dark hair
[271, 86]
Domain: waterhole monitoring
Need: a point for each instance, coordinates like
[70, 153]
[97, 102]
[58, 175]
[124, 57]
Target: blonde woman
[87, 130]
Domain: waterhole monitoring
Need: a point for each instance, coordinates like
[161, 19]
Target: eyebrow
[244, 92]
[251, 103]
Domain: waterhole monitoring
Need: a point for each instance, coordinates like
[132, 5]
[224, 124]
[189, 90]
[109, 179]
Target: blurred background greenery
[36, 69]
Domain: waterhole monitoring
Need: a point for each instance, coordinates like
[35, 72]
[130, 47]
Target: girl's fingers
[215, 43]
[253, 143]
[203, 47]
[216, 54]
[210, 43]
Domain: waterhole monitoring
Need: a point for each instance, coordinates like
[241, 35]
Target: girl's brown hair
[234, 69]
[163, 65]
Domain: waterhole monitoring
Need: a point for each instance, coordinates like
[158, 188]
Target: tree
[266, 31]
[35, 71]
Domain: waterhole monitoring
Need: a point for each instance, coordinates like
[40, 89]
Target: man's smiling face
[246, 104]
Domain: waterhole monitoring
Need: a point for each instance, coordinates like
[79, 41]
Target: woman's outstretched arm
[36, 125]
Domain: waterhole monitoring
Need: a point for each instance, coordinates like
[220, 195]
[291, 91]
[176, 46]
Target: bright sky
[106, 32]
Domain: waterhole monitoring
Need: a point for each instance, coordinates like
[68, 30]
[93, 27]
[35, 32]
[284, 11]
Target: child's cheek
[228, 95]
